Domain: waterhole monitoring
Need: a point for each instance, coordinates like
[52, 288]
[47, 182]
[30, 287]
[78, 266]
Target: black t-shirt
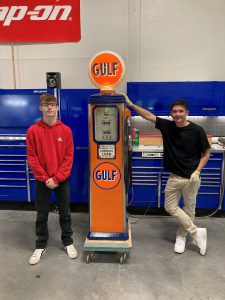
[183, 146]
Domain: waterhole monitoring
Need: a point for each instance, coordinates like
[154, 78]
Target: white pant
[175, 188]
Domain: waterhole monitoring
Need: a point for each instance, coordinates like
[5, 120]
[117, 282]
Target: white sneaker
[200, 240]
[36, 256]
[71, 251]
[179, 246]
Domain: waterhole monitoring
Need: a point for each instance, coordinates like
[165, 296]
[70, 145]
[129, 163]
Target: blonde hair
[48, 98]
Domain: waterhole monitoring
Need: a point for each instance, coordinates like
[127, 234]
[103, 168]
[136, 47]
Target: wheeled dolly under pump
[114, 246]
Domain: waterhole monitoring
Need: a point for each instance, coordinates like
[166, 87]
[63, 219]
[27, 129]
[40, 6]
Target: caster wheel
[122, 258]
[89, 258]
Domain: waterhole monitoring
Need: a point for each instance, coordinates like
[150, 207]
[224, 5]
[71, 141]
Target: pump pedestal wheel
[122, 258]
[89, 257]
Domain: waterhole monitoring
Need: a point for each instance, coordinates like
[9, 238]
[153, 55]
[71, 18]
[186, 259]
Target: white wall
[160, 40]
[176, 40]
[104, 26]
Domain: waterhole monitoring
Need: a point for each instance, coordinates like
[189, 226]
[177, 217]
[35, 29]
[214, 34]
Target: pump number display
[106, 124]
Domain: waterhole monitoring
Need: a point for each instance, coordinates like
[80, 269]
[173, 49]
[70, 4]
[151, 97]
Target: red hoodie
[50, 151]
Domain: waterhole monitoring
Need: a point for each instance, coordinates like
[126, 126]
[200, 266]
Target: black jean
[42, 204]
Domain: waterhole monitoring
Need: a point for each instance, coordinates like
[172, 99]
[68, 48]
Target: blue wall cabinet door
[74, 113]
[206, 98]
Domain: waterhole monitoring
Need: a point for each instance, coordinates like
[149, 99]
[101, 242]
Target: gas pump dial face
[106, 124]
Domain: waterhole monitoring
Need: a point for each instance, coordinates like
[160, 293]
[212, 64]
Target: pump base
[105, 245]
[122, 236]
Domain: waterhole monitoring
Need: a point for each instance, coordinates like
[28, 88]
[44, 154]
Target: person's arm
[147, 115]
[64, 170]
[32, 158]
[204, 158]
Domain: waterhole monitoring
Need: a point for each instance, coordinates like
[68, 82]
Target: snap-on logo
[106, 176]
[39, 13]
[39, 21]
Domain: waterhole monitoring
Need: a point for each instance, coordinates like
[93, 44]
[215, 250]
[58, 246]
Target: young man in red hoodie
[50, 157]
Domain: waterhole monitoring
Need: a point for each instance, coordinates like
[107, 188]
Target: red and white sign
[39, 21]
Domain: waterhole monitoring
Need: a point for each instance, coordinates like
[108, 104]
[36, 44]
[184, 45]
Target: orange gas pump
[109, 227]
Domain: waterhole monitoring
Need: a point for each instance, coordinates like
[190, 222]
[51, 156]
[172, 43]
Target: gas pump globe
[107, 157]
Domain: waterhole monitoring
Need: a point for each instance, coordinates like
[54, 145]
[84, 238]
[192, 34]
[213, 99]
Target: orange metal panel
[107, 207]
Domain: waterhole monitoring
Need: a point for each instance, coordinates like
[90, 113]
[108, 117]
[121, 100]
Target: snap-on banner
[39, 21]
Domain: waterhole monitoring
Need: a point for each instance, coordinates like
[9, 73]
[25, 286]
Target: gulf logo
[106, 176]
[106, 70]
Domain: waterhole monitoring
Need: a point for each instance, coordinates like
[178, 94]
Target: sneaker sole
[179, 252]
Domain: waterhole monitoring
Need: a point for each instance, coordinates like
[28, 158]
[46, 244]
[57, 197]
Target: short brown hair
[179, 102]
[48, 98]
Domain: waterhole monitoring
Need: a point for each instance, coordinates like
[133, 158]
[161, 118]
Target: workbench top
[152, 148]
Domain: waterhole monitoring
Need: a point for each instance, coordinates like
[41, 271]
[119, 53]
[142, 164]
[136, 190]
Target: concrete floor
[152, 270]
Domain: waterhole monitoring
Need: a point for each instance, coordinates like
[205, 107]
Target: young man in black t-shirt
[186, 151]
